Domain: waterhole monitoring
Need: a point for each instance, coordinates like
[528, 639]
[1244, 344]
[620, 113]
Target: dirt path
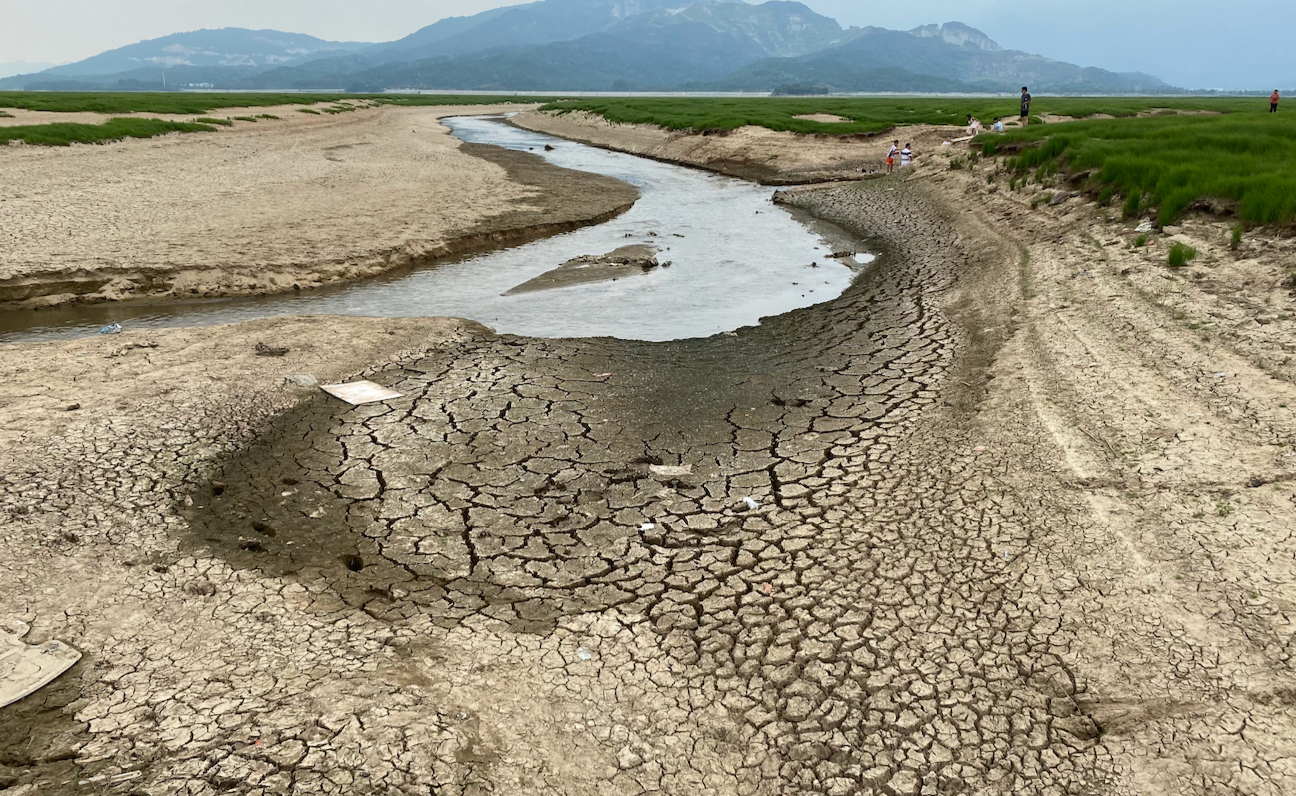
[1011, 532]
[273, 206]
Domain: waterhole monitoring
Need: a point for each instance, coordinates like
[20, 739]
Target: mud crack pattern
[836, 585]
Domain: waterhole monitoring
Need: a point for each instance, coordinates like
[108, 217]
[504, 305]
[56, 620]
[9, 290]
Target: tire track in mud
[866, 628]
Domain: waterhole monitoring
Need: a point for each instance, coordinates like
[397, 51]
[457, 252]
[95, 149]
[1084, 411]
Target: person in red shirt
[1273, 102]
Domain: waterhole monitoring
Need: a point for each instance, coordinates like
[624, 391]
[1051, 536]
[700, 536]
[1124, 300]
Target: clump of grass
[245, 119]
[1235, 241]
[65, 133]
[213, 120]
[1105, 195]
[1133, 206]
[6, 115]
[1140, 242]
[1181, 254]
[957, 164]
[266, 116]
[311, 111]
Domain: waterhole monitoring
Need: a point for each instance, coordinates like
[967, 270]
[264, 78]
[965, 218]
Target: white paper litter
[360, 392]
[24, 669]
[668, 471]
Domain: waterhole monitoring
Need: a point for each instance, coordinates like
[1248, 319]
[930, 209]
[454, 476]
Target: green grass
[212, 120]
[867, 114]
[266, 116]
[1181, 254]
[1140, 242]
[194, 103]
[245, 119]
[1247, 160]
[64, 134]
[311, 111]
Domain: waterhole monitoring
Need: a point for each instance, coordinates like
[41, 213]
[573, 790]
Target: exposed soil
[1021, 522]
[621, 263]
[273, 208]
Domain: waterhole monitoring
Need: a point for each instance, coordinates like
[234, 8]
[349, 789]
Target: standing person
[906, 156]
[1273, 102]
[891, 155]
[1025, 105]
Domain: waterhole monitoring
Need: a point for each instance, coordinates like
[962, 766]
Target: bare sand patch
[826, 118]
[271, 206]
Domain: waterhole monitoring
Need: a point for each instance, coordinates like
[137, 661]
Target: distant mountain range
[598, 45]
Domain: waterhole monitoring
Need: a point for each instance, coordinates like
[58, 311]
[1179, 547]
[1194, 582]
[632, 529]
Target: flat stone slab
[25, 669]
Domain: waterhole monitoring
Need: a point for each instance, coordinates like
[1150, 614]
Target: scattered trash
[263, 350]
[840, 255]
[584, 654]
[1221, 375]
[668, 471]
[647, 526]
[360, 392]
[769, 589]
[604, 376]
[978, 449]
[26, 669]
[730, 334]
[303, 380]
[112, 328]
[1005, 555]
[1146, 226]
[751, 503]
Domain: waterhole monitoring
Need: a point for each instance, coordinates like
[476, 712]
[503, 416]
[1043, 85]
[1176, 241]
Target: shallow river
[735, 258]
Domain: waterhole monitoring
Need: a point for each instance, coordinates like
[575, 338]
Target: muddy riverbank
[274, 207]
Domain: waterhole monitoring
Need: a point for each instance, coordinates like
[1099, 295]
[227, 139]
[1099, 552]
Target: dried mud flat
[273, 206]
[1012, 533]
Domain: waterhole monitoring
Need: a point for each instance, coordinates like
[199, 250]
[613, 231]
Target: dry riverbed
[1013, 515]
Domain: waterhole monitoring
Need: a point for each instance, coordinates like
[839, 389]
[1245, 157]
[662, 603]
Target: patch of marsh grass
[214, 120]
[67, 133]
[1244, 160]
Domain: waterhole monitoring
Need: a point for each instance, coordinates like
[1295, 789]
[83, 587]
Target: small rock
[627, 759]
[303, 380]
[668, 471]
[201, 588]
[263, 350]
[73, 407]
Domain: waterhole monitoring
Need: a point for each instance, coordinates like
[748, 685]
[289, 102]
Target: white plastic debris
[1146, 226]
[360, 392]
[668, 471]
[112, 328]
[584, 654]
[303, 380]
[751, 503]
[26, 669]
[647, 526]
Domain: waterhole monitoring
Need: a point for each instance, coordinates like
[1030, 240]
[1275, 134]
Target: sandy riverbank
[272, 206]
[1022, 526]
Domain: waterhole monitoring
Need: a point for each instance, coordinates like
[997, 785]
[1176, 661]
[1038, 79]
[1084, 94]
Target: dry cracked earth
[864, 583]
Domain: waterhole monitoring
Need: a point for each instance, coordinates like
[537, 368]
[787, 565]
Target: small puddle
[734, 256]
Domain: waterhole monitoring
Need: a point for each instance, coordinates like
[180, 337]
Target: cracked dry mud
[482, 587]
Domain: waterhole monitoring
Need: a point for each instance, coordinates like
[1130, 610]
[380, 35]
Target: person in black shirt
[1025, 105]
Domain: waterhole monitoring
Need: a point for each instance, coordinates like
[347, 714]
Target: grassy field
[1169, 163]
[64, 134]
[192, 103]
[869, 114]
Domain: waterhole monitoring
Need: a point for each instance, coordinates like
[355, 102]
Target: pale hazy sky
[1195, 43]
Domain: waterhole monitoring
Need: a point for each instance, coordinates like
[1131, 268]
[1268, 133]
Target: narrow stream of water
[735, 258]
